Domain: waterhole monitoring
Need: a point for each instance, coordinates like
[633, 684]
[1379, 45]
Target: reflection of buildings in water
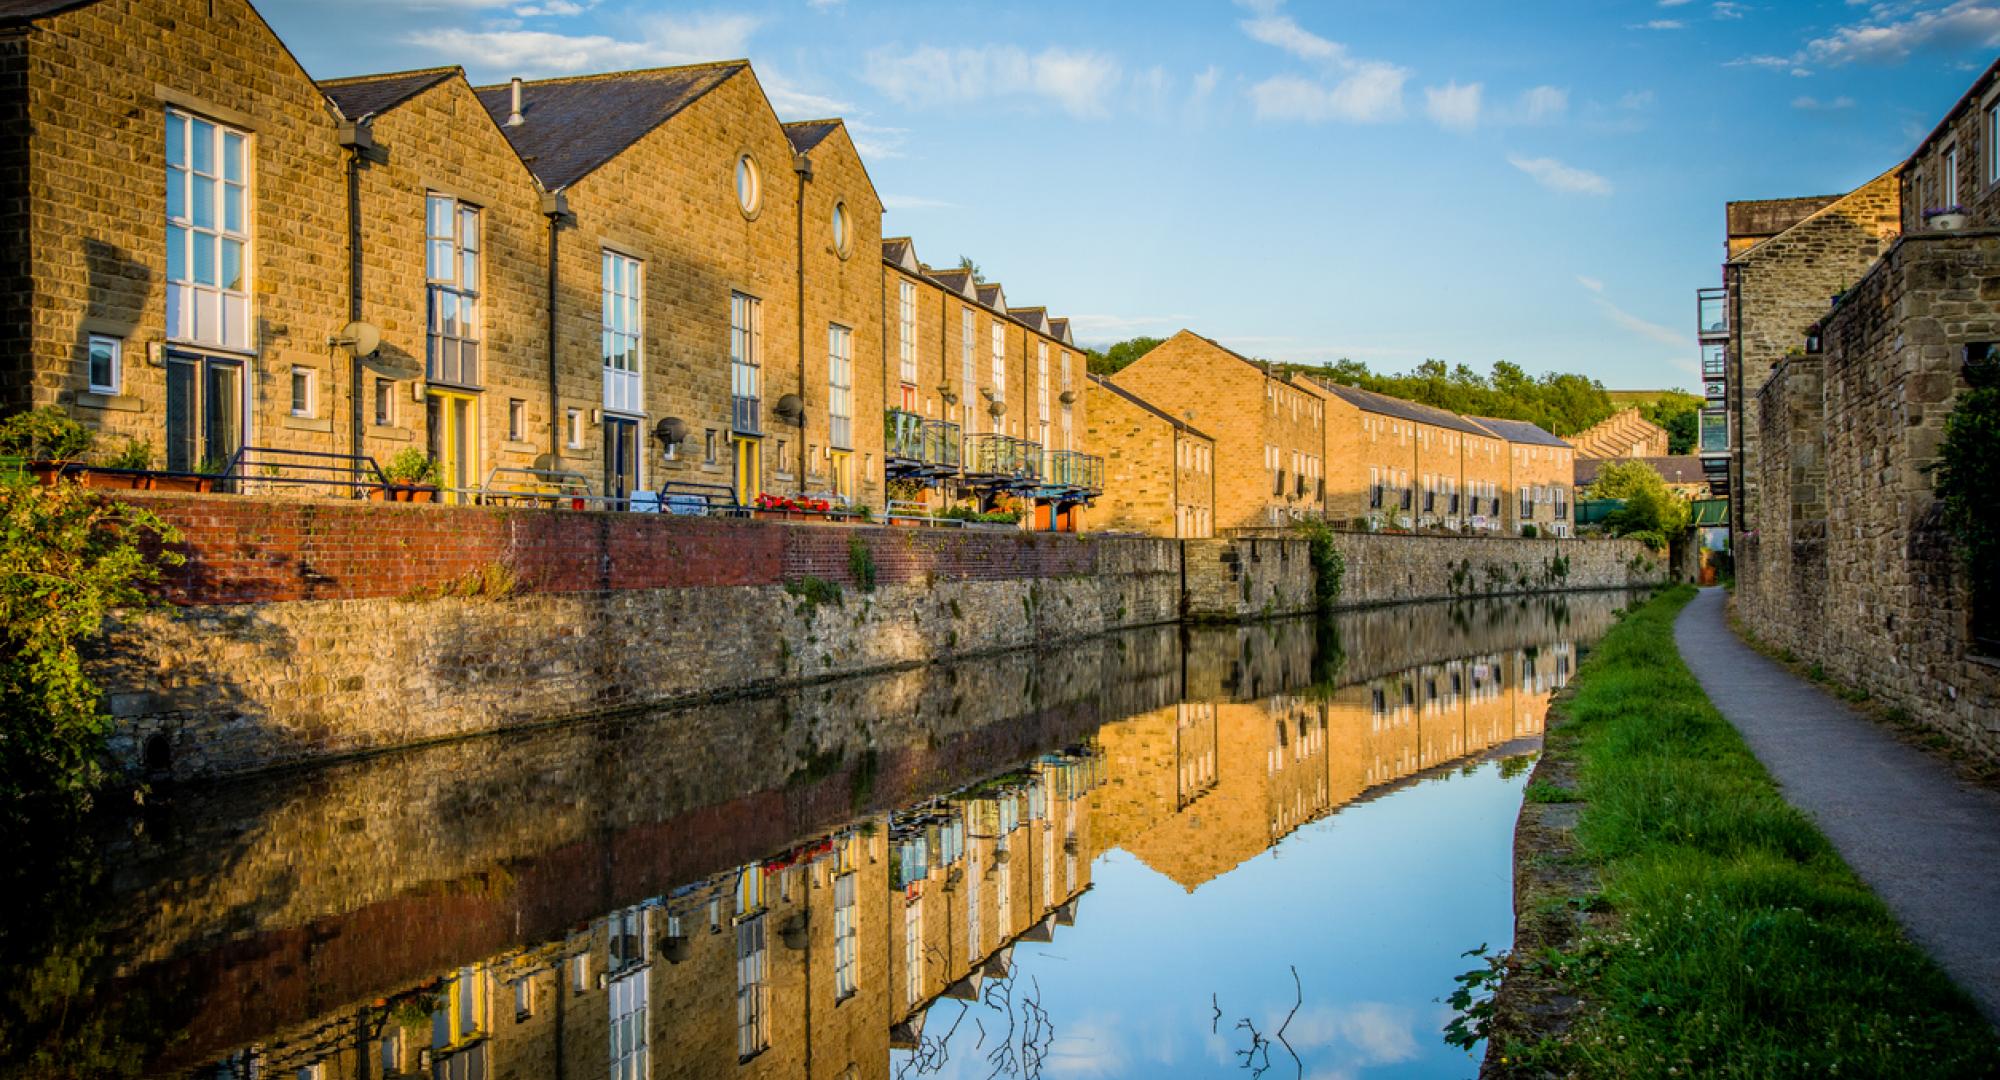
[811, 963]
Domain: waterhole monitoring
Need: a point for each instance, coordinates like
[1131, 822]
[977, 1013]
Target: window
[906, 330]
[302, 390]
[573, 430]
[968, 380]
[1993, 143]
[999, 338]
[845, 934]
[749, 186]
[208, 232]
[623, 334]
[840, 246]
[517, 419]
[840, 386]
[451, 264]
[1950, 177]
[107, 360]
[913, 951]
[385, 402]
[708, 454]
[524, 998]
[751, 989]
[1042, 390]
[746, 357]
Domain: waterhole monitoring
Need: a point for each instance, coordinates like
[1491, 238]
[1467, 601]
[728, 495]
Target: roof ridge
[599, 76]
[348, 80]
[1816, 214]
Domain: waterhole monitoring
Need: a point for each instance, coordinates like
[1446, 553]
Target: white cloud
[915, 202]
[795, 103]
[1110, 328]
[1542, 103]
[1556, 176]
[1284, 33]
[1661, 24]
[1372, 94]
[662, 40]
[1644, 328]
[552, 9]
[1453, 107]
[1591, 283]
[1204, 83]
[1078, 82]
[876, 142]
[823, 5]
[1896, 32]
[1814, 104]
[1726, 9]
[1672, 3]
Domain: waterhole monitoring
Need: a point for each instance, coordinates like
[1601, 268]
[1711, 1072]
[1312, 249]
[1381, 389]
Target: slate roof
[990, 295]
[1059, 328]
[958, 281]
[1107, 384]
[899, 250]
[571, 126]
[806, 134]
[20, 11]
[1384, 405]
[370, 95]
[1518, 431]
[1678, 469]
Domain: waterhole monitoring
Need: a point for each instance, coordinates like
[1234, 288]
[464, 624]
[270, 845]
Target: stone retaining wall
[1392, 568]
[306, 631]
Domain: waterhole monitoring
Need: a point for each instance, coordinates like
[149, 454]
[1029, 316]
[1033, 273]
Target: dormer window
[749, 186]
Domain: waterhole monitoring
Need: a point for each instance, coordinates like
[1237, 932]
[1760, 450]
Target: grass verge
[1731, 939]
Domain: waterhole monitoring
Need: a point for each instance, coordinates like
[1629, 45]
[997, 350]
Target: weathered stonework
[1390, 569]
[1851, 568]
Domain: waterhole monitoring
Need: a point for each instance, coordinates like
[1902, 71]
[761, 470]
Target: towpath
[1927, 843]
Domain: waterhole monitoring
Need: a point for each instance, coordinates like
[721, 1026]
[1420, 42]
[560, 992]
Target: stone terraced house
[1160, 469]
[635, 281]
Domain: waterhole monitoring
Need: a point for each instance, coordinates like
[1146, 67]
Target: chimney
[514, 103]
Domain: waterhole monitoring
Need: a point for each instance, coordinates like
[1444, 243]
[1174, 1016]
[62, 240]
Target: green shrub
[413, 466]
[1530, 531]
[68, 556]
[137, 454]
[861, 564]
[1967, 475]
[1327, 564]
[44, 434]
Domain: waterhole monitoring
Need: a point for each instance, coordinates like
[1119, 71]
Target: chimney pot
[514, 102]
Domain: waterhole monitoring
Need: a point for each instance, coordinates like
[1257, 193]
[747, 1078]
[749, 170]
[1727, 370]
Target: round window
[840, 229]
[749, 187]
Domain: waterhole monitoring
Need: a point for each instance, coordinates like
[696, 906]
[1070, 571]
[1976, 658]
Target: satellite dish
[358, 338]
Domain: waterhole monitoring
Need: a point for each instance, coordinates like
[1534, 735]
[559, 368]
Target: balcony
[1003, 460]
[1714, 429]
[1074, 470]
[746, 415]
[1711, 313]
[1714, 360]
[916, 447]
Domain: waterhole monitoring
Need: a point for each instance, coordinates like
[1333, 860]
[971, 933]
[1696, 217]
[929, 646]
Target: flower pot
[1947, 222]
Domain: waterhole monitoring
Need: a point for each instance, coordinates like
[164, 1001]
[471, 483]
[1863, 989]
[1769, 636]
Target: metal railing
[1003, 457]
[903, 436]
[943, 446]
[1074, 469]
[1711, 309]
[260, 468]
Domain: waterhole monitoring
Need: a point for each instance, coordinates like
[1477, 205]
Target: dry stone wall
[1391, 568]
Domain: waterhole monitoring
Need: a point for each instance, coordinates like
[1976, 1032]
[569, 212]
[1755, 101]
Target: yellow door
[454, 441]
[749, 470]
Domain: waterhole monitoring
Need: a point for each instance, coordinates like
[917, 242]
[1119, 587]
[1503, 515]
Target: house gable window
[840, 386]
[208, 233]
[623, 332]
[451, 265]
[906, 331]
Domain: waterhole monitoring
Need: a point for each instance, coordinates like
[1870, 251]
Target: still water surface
[1171, 852]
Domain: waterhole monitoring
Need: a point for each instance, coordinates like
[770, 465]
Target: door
[204, 412]
[749, 469]
[621, 458]
[454, 441]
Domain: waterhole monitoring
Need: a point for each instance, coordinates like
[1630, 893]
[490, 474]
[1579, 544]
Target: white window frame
[383, 409]
[968, 334]
[998, 335]
[846, 934]
[115, 351]
[204, 305]
[746, 347]
[622, 338]
[517, 419]
[573, 430]
[310, 407]
[452, 271]
[906, 330]
[1950, 192]
[840, 386]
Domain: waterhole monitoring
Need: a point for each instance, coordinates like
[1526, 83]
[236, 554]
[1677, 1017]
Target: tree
[1967, 475]
[1562, 403]
[1652, 512]
[1113, 360]
[1680, 414]
[966, 264]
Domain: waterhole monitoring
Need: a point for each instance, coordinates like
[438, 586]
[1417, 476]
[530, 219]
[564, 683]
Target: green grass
[1742, 944]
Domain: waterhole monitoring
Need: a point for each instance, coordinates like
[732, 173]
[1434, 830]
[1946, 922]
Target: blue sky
[1386, 180]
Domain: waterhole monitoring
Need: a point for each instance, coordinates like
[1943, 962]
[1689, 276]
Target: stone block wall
[1389, 568]
[1784, 573]
[1890, 610]
[1247, 578]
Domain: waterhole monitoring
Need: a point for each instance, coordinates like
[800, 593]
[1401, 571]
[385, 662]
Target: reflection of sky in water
[1374, 905]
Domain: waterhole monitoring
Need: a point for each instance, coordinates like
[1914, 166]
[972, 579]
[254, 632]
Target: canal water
[1169, 852]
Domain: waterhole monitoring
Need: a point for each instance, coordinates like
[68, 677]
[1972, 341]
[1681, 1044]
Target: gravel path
[1928, 844]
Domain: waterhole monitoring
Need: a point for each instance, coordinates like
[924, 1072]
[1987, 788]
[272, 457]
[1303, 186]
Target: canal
[1178, 851]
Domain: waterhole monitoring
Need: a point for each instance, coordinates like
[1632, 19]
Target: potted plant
[410, 476]
[1945, 218]
[45, 442]
[786, 508]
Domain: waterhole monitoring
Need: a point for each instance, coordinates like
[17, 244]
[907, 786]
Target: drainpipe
[802, 165]
[358, 137]
[555, 206]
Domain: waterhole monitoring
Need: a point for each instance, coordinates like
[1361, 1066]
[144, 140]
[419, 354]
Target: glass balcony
[1715, 392]
[943, 447]
[746, 415]
[1712, 312]
[1714, 360]
[1003, 457]
[1075, 469]
[903, 436]
[1714, 431]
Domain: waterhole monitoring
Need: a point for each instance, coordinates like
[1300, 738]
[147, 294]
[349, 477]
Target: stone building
[1160, 470]
[1622, 434]
[635, 281]
[1269, 429]
[1845, 561]
[986, 401]
[1786, 259]
[1540, 470]
[1683, 473]
[1403, 464]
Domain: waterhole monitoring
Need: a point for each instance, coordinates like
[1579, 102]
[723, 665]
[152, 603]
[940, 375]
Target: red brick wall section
[243, 550]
